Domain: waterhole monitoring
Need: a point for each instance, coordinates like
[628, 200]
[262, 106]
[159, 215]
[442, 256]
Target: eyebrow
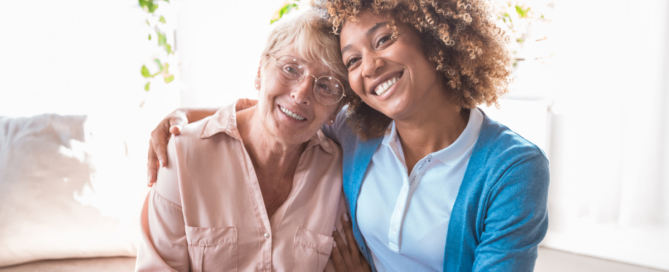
[369, 32]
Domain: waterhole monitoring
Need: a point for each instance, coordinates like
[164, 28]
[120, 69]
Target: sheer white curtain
[609, 193]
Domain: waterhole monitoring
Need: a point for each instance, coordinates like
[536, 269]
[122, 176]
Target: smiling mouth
[385, 86]
[291, 114]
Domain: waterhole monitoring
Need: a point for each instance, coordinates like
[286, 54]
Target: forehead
[365, 22]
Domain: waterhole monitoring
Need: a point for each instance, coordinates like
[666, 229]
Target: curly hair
[460, 36]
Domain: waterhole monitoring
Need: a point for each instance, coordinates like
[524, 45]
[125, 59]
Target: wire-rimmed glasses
[291, 71]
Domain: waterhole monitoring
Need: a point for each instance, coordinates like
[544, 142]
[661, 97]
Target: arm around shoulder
[516, 218]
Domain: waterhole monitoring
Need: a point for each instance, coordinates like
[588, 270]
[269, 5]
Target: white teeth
[291, 114]
[383, 87]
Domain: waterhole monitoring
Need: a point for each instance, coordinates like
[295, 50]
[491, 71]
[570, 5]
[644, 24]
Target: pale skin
[275, 141]
[426, 117]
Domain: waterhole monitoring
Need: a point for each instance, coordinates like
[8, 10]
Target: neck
[434, 127]
[270, 157]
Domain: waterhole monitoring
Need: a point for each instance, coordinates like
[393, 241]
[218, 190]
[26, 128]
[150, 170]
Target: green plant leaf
[169, 78]
[162, 39]
[147, 22]
[168, 48]
[152, 7]
[522, 12]
[167, 68]
[145, 71]
[147, 86]
[149, 37]
[162, 20]
[285, 10]
[160, 67]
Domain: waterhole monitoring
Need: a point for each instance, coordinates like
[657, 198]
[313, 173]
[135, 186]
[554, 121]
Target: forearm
[197, 114]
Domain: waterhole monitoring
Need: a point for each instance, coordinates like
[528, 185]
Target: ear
[336, 112]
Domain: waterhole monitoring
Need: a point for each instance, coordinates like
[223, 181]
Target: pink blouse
[206, 212]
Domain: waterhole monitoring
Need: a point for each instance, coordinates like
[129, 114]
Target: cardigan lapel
[459, 248]
[361, 160]
[354, 172]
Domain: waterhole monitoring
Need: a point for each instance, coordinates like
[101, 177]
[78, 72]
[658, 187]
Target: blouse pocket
[212, 249]
[311, 250]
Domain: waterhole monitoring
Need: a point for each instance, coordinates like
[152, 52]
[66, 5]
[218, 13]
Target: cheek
[357, 84]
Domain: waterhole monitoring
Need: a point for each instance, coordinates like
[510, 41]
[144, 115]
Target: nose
[370, 64]
[302, 91]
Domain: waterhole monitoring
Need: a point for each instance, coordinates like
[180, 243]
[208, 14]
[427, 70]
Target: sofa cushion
[66, 190]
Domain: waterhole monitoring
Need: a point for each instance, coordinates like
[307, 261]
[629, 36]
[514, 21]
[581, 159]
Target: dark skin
[345, 254]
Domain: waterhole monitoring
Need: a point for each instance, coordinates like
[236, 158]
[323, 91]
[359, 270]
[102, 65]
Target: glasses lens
[328, 90]
[289, 70]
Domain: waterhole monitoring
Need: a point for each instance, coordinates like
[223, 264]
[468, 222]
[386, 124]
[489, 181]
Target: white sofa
[70, 187]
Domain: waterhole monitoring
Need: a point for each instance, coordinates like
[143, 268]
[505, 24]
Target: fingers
[337, 259]
[352, 244]
[159, 138]
[152, 166]
[364, 264]
[342, 249]
[178, 121]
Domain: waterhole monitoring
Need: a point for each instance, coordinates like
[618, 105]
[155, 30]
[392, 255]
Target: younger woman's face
[393, 76]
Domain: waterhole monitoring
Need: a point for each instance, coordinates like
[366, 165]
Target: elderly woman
[256, 186]
[431, 183]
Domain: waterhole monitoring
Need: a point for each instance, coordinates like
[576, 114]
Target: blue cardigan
[500, 214]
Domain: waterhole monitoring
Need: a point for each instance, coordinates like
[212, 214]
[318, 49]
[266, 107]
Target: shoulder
[178, 148]
[504, 162]
[500, 147]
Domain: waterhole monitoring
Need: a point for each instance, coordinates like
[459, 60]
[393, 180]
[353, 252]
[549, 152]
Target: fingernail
[148, 180]
[161, 163]
[345, 217]
[334, 244]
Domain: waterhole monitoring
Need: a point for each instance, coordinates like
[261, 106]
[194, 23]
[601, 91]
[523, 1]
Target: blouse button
[266, 235]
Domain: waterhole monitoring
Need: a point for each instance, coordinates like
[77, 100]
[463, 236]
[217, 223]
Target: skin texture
[426, 118]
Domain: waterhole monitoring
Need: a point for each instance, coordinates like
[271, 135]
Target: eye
[324, 89]
[383, 40]
[351, 62]
[290, 69]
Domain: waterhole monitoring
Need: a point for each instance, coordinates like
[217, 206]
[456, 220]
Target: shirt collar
[465, 141]
[225, 120]
[450, 154]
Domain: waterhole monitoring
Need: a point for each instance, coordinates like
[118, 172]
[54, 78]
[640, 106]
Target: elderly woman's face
[292, 113]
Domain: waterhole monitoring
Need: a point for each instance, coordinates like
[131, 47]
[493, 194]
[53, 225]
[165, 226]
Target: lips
[383, 84]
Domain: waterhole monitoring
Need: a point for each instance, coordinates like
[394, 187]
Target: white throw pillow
[68, 189]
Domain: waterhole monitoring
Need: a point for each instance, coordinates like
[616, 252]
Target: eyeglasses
[291, 71]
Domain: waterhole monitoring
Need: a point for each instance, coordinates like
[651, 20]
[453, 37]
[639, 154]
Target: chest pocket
[311, 250]
[212, 249]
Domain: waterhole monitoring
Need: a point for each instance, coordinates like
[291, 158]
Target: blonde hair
[308, 32]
